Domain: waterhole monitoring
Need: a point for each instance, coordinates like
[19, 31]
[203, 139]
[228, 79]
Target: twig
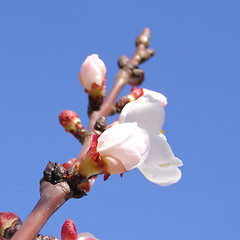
[53, 196]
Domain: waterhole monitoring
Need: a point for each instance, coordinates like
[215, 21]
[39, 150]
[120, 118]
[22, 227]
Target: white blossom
[160, 166]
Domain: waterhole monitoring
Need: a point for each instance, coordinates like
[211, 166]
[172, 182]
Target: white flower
[123, 147]
[92, 72]
[160, 166]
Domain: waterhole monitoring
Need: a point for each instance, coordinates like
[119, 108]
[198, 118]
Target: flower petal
[160, 97]
[161, 166]
[160, 175]
[147, 111]
[123, 144]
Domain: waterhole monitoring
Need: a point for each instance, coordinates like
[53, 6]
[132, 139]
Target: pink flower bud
[9, 222]
[69, 231]
[68, 119]
[92, 74]
[123, 147]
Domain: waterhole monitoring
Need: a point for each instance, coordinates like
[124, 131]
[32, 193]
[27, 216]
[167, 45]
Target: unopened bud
[122, 61]
[9, 224]
[72, 123]
[144, 38]
[69, 231]
[92, 75]
[137, 77]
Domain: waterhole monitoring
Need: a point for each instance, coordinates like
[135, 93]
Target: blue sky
[42, 46]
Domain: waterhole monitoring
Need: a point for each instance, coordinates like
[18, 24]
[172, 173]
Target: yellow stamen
[164, 165]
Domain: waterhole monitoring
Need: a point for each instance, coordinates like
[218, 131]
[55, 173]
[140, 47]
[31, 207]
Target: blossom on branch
[136, 142]
[123, 147]
[117, 150]
[161, 166]
[92, 75]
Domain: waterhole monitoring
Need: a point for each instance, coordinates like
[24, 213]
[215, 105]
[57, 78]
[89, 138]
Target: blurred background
[196, 66]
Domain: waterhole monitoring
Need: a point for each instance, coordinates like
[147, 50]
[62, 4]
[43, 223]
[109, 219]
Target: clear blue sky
[42, 46]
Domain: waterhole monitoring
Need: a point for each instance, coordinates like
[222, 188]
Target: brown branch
[53, 196]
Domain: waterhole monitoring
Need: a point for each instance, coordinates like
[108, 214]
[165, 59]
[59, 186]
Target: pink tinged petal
[86, 236]
[160, 97]
[93, 70]
[161, 166]
[147, 111]
[123, 147]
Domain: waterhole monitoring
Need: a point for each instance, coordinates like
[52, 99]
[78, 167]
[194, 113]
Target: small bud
[122, 61]
[69, 231]
[72, 123]
[68, 119]
[144, 38]
[137, 77]
[9, 224]
[92, 75]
